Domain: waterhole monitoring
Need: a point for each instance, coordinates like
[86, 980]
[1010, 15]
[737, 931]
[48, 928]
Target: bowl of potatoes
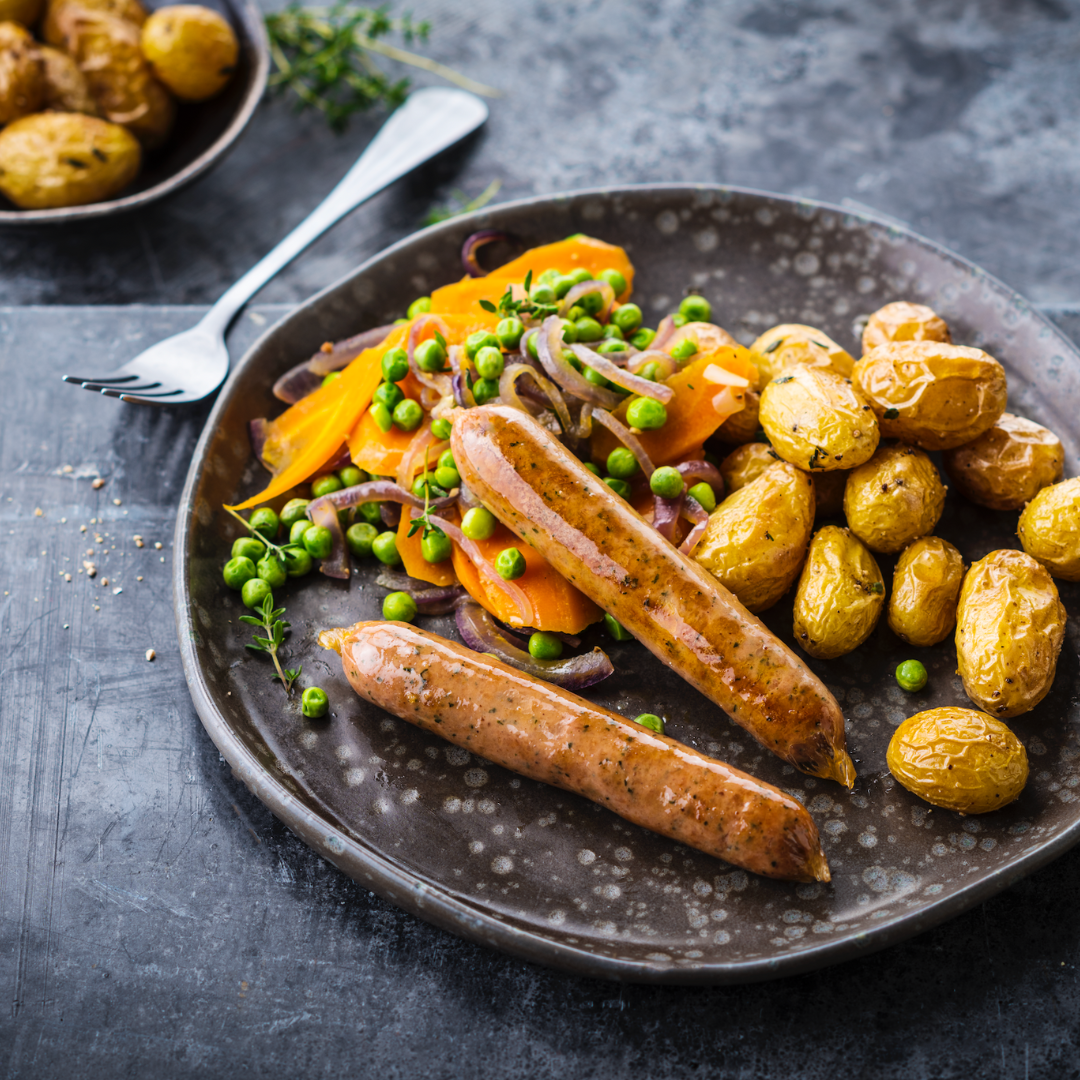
[107, 105]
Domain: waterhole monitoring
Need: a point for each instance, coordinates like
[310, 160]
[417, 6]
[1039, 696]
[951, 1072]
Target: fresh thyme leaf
[487, 305]
[275, 627]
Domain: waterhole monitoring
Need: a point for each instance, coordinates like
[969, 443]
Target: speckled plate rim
[427, 898]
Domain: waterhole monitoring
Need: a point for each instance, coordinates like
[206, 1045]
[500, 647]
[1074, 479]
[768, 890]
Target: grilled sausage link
[666, 600]
[549, 734]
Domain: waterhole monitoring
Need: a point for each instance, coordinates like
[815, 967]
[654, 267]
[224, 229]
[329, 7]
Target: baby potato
[894, 498]
[926, 587]
[742, 426]
[817, 420]
[192, 50]
[840, 596]
[901, 321]
[791, 343]
[1050, 529]
[829, 492]
[66, 89]
[65, 159]
[26, 12]
[1007, 465]
[756, 538]
[1009, 628]
[745, 464]
[22, 73]
[708, 337]
[931, 394]
[58, 22]
[958, 759]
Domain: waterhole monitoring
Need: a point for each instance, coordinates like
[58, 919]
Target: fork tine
[172, 397]
[101, 380]
[116, 391]
[156, 391]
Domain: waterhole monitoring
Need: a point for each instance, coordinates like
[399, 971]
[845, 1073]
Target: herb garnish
[275, 628]
[527, 309]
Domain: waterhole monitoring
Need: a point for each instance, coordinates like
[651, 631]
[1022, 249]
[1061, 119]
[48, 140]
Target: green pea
[436, 546]
[509, 333]
[679, 320]
[591, 303]
[350, 476]
[613, 331]
[297, 530]
[401, 322]
[569, 332]
[650, 371]
[255, 592]
[446, 460]
[318, 541]
[238, 572]
[384, 548]
[359, 537]
[395, 364]
[704, 495]
[329, 378]
[247, 547]
[479, 523]
[272, 570]
[548, 277]
[622, 463]
[651, 721]
[543, 646]
[562, 285]
[575, 313]
[643, 338]
[646, 414]
[615, 280]
[531, 347]
[292, 512]
[612, 345]
[616, 629]
[594, 376]
[297, 561]
[314, 703]
[482, 339]
[696, 309]
[620, 487]
[572, 360]
[542, 294]
[510, 564]
[485, 389]
[325, 485]
[666, 482]
[627, 318]
[579, 276]
[441, 428]
[265, 522]
[382, 416]
[594, 469]
[388, 394]
[489, 362]
[371, 512]
[447, 478]
[588, 329]
[683, 350]
[420, 306]
[423, 483]
[408, 414]
[398, 607]
[911, 676]
[430, 355]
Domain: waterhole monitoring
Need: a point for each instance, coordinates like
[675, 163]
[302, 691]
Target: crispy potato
[817, 420]
[65, 159]
[930, 394]
[1009, 628]
[958, 759]
[26, 12]
[894, 498]
[841, 594]
[708, 337]
[756, 538]
[742, 426]
[791, 343]
[66, 88]
[901, 321]
[829, 492]
[745, 464]
[1006, 466]
[926, 587]
[53, 28]
[1050, 529]
[22, 73]
[192, 50]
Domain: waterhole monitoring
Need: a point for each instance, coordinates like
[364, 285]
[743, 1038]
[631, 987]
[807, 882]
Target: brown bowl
[204, 132]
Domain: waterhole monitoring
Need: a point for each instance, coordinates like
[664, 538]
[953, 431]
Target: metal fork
[190, 366]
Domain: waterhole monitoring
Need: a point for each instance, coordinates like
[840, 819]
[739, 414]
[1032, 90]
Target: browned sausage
[549, 734]
[666, 600]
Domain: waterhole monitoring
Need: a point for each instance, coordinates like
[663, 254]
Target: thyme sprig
[423, 521]
[527, 309]
[278, 549]
[275, 628]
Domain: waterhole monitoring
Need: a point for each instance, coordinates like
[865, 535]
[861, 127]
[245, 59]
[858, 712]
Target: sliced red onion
[694, 472]
[667, 364]
[344, 352]
[509, 395]
[342, 459]
[380, 491]
[323, 512]
[391, 514]
[622, 433]
[666, 512]
[584, 428]
[463, 396]
[437, 382]
[583, 288]
[693, 511]
[480, 632]
[257, 434]
[430, 599]
[297, 383]
[549, 348]
[473, 244]
[423, 440]
[466, 499]
[664, 332]
[628, 381]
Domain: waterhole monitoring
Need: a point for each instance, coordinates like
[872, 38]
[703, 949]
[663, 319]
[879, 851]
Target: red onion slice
[508, 392]
[582, 289]
[430, 599]
[622, 433]
[666, 512]
[479, 631]
[627, 380]
[342, 353]
[257, 435]
[473, 244]
[664, 332]
[297, 383]
[423, 440]
[667, 364]
[549, 348]
[323, 512]
[694, 472]
[380, 491]
[695, 512]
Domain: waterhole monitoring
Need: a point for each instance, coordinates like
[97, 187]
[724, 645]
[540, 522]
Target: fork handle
[429, 122]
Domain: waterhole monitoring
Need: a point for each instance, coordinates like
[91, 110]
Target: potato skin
[756, 538]
[1007, 465]
[192, 50]
[66, 89]
[65, 159]
[1010, 624]
[894, 498]
[817, 420]
[742, 426]
[54, 26]
[931, 394]
[1049, 529]
[925, 590]
[841, 594]
[903, 321]
[22, 73]
[958, 759]
[708, 337]
[745, 464]
[26, 12]
[788, 344]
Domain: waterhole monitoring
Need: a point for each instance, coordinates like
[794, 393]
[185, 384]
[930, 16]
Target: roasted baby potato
[192, 50]
[931, 394]
[742, 426]
[817, 420]
[1050, 529]
[958, 759]
[1006, 466]
[926, 587]
[26, 12]
[65, 159]
[756, 538]
[66, 89]
[22, 73]
[1009, 628]
[901, 321]
[57, 23]
[745, 464]
[841, 594]
[708, 337]
[894, 498]
[790, 343]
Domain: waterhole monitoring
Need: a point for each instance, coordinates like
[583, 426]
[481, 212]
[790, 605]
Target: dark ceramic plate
[548, 876]
[203, 135]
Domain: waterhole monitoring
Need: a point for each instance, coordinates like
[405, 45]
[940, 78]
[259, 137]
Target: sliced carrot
[377, 451]
[412, 558]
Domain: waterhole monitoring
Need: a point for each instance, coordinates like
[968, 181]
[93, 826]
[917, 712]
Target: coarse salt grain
[98, 483]
[116, 502]
[150, 654]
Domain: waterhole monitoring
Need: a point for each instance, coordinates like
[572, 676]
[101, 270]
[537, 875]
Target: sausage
[549, 734]
[666, 600]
